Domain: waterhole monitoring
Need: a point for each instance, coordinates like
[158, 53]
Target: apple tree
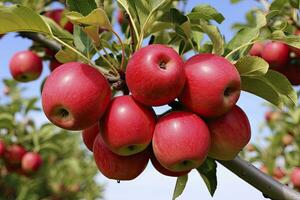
[105, 83]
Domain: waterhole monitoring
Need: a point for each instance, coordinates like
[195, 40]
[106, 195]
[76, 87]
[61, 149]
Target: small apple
[2, 148]
[75, 96]
[163, 170]
[272, 116]
[127, 126]
[54, 64]
[31, 162]
[25, 66]
[256, 49]
[118, 167]
[14, 154]
[295, 177]
[155, 75]
[278, 173]
[276, 54]
[287, 139]
[121, 18]
[56, 15]
[230, 133]
[213, 85]
[181, 141]
[89, 135]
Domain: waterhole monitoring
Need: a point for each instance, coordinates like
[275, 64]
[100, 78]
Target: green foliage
[180, 185]
[67, 171]
[208, 171]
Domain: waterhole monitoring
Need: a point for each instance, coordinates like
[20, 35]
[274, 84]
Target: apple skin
[155, 75]
[14, 154]
[118, 167]
[278, 173]
[31, 162]
[2, 148]
[54, 64]
[212, 87]
[256, 49]
[56, 15]
[127, 126]
[292, 73]
[163, 170]
[75, 96]
[25, 66]
[276, 54]
[120, 17]
[230, 133]
[89, 135]
[181, 141]
[295, 177]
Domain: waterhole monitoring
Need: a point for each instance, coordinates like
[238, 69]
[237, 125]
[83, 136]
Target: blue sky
[151, 185]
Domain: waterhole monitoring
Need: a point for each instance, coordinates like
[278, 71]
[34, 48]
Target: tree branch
[264, 183]
[54, 46]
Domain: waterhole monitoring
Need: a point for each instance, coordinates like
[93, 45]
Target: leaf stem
[123, 50]
[240, 47]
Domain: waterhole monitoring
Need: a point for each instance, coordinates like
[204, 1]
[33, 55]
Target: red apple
[118, 167]
[292, 72]
[155, 75]
[127, 126]
[230, 133]
[212, 86]
[57, 15]
[256, 49]
[89, 135]
[14, 154]
[120, 17]
[31, 162]
[272, 116]
[278, 173]
[295, 177]
[181, 141]
[163, 170]
[276, 54]
[54, 64]
[25, 66]
[75, 96]
[2, 148]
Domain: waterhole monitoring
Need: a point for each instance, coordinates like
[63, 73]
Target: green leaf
[18, 18]
[273, 87]
[58, 31]
[96, 18]
[252, 66]
[82, 42]
[295, 3]
[180, 185]
[208, 172]
[205, 12]
[66, 55]
[82, 6]
[30, 105]
[292, 40]
[278, 4]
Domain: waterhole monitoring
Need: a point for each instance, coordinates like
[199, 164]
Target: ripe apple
[256, 49]
[31, 162]
[121, 18]
[230, 133]
[54, 64]
[89, 135]
[118, 167]
[56, 15]
[155, 75]
[213, 85]
[163, 170]
[75, 96]
[2, 148]
[14, 154]
[25, 66]
[276, 54]
[295, 177]
[278, 173]
[127, 126]
[272, 116]
[292, 72]
[181, 141]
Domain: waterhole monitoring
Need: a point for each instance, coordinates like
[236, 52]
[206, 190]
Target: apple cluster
[281, 57]
[18, 160]
[124, 132]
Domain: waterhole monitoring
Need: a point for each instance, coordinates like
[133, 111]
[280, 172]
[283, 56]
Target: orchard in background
[106, 85]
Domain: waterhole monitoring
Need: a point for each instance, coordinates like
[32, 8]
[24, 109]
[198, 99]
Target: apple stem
[264, 183]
